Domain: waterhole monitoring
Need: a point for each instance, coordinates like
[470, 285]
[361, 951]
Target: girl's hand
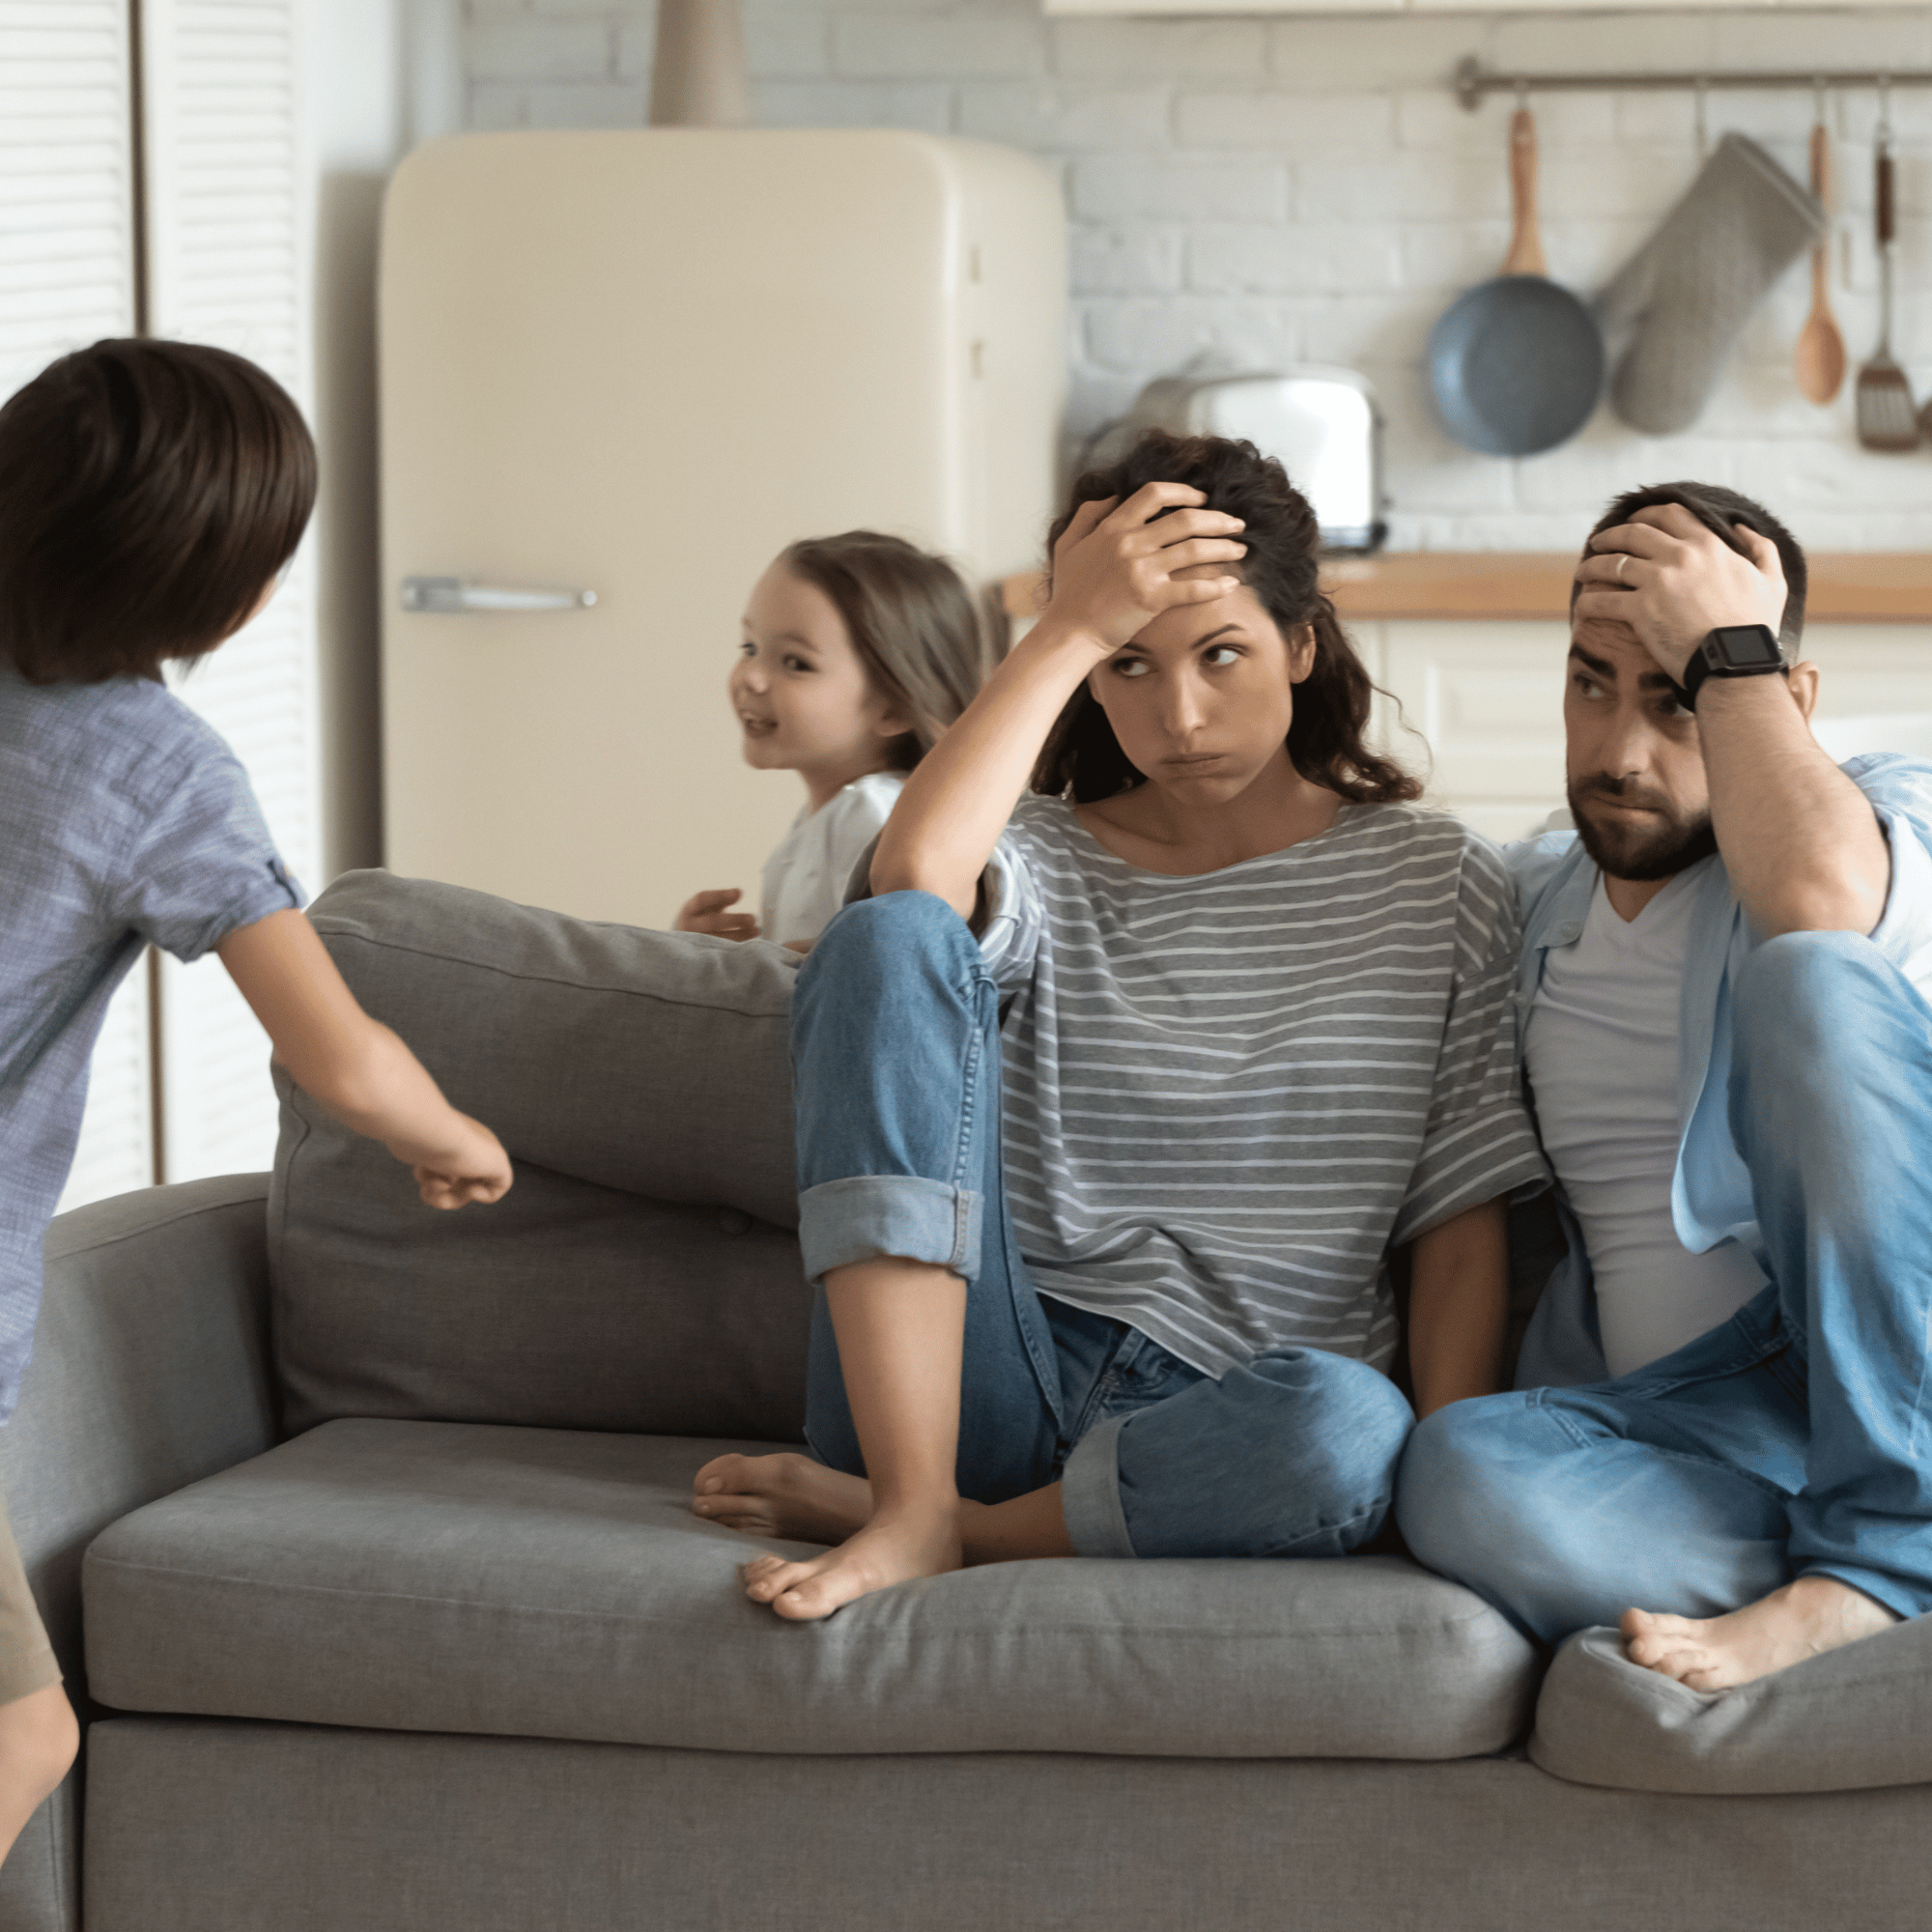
[472, 1168]
[1113, 566]
[704, 912]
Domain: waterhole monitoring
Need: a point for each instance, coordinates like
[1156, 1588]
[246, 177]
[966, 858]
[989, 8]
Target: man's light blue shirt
[1711, 1191]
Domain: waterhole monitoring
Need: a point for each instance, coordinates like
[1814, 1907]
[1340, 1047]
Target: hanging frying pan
[1517, 364]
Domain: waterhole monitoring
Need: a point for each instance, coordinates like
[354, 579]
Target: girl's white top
[805, 879]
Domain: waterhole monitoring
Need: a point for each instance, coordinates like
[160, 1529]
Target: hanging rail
[1472, 82]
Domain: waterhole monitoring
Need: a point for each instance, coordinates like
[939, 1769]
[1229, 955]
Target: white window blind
[67, 278]
[226, 255]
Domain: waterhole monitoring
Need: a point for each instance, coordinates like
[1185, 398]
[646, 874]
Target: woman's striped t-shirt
[1228, 1096]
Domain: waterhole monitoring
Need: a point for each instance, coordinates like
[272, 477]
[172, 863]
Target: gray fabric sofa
[366, 1529]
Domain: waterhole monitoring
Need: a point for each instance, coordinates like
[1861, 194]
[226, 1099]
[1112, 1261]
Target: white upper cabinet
[1174, 8]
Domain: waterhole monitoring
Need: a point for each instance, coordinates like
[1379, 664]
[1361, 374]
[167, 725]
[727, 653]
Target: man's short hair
[148, 492]
[1717, 509]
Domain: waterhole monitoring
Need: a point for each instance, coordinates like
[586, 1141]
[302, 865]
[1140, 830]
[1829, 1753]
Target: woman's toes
[767, 1575]
[719, 1473]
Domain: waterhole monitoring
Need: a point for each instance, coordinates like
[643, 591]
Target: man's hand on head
[1673, 582]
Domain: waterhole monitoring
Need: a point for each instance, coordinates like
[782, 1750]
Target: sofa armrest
[150, 1372]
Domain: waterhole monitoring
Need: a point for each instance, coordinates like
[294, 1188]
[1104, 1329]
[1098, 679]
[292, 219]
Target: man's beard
[1659, 850]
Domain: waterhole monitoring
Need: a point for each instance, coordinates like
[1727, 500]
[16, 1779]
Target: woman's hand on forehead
[1118, 565]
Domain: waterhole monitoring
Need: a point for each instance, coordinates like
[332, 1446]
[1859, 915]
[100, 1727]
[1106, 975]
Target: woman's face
[802, 696]
[1202, 699]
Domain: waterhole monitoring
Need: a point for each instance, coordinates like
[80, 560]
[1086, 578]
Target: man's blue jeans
[896, 1051]
[1793, 1440]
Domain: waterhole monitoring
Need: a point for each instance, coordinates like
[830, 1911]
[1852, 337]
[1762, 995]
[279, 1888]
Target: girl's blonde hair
[912, 622]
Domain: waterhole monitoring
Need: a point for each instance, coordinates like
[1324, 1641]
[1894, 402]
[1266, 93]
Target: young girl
[1261, 1034]
[149, 494]
[859, 650]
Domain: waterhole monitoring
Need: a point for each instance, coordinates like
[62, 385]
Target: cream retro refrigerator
[620, 371]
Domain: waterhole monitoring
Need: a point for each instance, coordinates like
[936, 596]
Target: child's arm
[1458, 1304]
[356, 1070]
[1113, 574]
[704, 912]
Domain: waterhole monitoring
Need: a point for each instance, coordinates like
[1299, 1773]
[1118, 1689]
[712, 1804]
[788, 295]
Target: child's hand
[704, 912]
[472, 1168]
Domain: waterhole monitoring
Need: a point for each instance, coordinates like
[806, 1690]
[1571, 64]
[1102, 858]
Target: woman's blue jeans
[1796, 1438]
[897, 1052]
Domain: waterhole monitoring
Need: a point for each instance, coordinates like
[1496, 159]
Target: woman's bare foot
[1809, 1615]
[895, 1547]
[786, 1496]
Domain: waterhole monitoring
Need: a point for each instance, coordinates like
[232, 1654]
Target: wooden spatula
[1887, 419]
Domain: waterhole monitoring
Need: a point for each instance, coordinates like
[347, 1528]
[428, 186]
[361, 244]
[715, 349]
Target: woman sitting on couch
[1112, 1280]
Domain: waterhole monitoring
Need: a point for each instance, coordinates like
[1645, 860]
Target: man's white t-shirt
[1602, 1051]
[804, 878]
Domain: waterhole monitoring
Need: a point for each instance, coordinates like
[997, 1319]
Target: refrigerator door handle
[452, 596]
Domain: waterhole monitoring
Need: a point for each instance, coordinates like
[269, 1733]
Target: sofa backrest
[641, 1274]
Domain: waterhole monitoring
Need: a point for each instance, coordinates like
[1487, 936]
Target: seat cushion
[545, 1584]
[1852, 1719]
[641, 1274]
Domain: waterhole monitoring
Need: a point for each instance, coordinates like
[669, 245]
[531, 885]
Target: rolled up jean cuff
[1895, 1594]
[1089, 1494]
[867, 1216]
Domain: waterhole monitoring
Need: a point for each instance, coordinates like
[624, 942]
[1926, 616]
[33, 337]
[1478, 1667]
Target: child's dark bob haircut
[1327, 739]
[148, 492]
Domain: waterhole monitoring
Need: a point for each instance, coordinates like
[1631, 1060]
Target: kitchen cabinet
[1180, 8]
[1486, 698]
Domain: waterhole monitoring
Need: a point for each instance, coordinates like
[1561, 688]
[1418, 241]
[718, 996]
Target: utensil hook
[1884, 108]
[1818, 100]
[1703, 118]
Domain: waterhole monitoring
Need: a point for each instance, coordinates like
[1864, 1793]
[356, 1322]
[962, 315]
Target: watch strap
[1717, 657]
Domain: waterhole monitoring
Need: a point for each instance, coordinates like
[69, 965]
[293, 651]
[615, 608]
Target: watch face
[1742, 645]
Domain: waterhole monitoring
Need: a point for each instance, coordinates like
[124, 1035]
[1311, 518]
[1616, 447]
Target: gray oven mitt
[1679, 300]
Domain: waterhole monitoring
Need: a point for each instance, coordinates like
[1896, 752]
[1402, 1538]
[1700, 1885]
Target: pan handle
[1525, 251]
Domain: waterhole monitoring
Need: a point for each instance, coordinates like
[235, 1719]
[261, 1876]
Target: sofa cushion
[640, 1274]
[526, 1583]
[1852, 1719]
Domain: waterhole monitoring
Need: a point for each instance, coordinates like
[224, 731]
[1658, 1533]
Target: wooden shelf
[1847, 587]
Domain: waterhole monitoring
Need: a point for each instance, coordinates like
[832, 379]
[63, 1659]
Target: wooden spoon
[1820, 358]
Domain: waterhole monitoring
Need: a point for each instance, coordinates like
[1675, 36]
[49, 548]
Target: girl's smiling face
[1202, 699]
[802, 696]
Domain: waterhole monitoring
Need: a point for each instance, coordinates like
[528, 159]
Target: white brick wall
[1307, 190]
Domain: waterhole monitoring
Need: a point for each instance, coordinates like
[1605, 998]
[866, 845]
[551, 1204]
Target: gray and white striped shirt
[1228, 1096]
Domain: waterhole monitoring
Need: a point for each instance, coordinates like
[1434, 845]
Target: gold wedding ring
[1623, 557]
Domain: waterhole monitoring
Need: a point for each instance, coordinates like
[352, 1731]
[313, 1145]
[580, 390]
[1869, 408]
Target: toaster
[1321, 422]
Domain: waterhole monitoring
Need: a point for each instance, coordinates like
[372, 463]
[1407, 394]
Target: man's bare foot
[893, 1547]
[1809, 1615]
[786, 1496]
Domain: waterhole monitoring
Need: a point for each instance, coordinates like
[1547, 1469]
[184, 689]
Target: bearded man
[1721, 1434]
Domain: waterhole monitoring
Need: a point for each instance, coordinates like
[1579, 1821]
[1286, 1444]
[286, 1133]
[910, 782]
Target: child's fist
[704, 912]
[475, 1168]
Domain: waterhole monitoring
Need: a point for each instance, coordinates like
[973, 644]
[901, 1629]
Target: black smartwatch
[1738, 650]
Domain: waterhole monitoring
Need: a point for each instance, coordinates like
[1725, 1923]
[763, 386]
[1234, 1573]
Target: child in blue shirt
[151, 492]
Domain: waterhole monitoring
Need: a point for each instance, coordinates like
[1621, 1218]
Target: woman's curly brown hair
[1082, 757]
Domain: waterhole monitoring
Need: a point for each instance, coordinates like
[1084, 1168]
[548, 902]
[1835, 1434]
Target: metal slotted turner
[1887, 418]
